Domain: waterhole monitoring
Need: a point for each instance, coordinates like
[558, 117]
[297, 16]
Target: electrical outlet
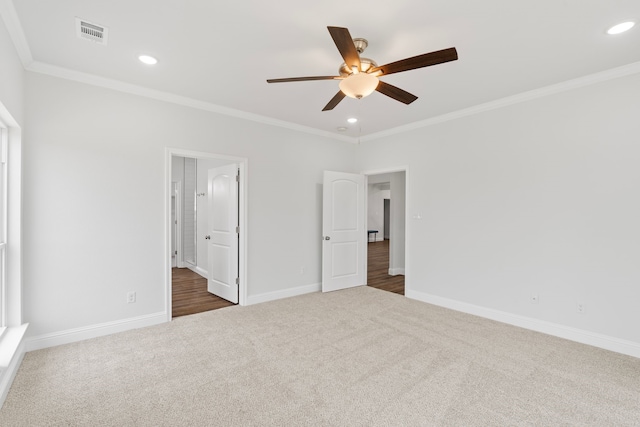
[580, 307]
[534, 299]
[131, 297]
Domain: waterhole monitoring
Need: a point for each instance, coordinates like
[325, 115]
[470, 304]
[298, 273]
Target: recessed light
[621, 28]
[352, 120]
[149, 60]
[341, 129]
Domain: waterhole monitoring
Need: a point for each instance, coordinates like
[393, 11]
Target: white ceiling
[221, 53]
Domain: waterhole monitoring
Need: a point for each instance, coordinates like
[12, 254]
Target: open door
[222, 249]
[344, 231]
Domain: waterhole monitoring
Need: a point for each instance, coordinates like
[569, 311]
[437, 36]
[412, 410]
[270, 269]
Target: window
[3, 224]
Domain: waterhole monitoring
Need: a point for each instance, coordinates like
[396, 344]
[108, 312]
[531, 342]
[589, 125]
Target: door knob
[327, 238]
[207, 237]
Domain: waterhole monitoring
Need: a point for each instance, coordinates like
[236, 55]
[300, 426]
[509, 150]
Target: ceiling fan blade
[334, 101]
[424, 60]
[344, 43]
[303, 79]
[395, 93]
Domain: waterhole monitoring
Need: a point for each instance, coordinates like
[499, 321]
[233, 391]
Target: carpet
[358, 357]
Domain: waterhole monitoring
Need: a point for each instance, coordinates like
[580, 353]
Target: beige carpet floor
[360, 357]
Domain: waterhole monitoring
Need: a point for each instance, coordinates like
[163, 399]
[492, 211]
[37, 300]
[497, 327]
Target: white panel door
[222, 232]
[343, 229]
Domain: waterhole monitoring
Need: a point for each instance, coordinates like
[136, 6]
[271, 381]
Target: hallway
[189, 294]
[378, 269]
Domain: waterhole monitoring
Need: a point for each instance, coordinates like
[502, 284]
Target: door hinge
[238, 230]
[238, 177]
[175, 252]
[237, 280]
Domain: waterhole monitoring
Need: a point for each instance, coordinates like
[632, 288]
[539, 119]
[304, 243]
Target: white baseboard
[13, 349]
[396, 271]
[198, 270]
[285, 293]
[79, 334]
[606, 342]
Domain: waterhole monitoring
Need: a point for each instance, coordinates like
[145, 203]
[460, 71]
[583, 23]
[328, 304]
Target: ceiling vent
[90, 31]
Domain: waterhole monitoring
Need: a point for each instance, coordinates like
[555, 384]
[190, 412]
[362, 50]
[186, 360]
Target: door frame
[243, 166]
[177, 192]
[407, 223]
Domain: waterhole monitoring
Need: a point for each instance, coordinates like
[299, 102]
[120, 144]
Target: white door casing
[222, 232]
[344, 231]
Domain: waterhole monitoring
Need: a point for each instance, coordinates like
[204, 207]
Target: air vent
[90, 31]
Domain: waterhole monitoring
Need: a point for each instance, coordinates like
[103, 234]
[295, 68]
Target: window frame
[4, 187]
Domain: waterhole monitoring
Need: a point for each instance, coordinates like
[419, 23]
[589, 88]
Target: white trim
[14, 28]
[90, 79]
[177, 192]
[396, 271]
[603, 76]
[14, 230]
[199, 270]
[87, 332]
[629, 348]
[4, 220]
[243, 197]
[13, 267]
[65, 73]
[284, 293]
[407, 223]
[13, 344]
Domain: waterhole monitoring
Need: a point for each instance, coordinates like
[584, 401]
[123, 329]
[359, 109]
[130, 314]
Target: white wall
[177, 169]
[94, 184]
[11, 77]
[539, 197]
[375, 208]
[397, 221]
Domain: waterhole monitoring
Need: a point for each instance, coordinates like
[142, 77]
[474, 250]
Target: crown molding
[91, 79]
[14, 28]
[603, 76]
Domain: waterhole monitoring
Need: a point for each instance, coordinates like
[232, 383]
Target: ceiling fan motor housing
[366, 64]
[360, 44]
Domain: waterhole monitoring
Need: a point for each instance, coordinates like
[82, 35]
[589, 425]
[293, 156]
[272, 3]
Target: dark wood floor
[378, 269]
[189, 294]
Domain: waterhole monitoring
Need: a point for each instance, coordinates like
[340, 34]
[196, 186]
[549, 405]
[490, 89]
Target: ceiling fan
[359, 76]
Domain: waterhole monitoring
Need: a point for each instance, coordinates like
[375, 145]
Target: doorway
[188, 262]
[386, 214]
[189, 294]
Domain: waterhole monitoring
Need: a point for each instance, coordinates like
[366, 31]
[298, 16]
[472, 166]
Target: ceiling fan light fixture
[359, 85]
